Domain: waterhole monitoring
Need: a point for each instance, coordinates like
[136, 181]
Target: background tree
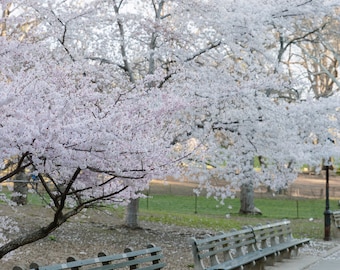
[248, 68]
[315, 54]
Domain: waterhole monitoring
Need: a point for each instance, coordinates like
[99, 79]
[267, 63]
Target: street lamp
[327, 212]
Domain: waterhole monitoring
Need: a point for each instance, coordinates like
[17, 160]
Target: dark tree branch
[283, 47]
[19, 167]
[59, 219]
[62, 40]
[194, 56]
[210, 47]
[122, 42]
[106, 61]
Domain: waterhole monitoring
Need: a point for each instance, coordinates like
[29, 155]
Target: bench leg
[34, 266]
[271, 260]
[279, 256]
[295, 251]
[286, 253]
[72, 259]
[261, 263]
[18, 268]
[258, 265]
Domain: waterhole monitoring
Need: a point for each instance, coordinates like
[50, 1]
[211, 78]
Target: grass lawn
[306, 215]
[270, 207]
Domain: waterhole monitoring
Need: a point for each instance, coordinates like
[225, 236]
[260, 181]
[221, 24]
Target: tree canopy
[99, 97]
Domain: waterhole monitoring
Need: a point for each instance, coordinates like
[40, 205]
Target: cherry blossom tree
[242, 77]
[84, 144]
[99, 97]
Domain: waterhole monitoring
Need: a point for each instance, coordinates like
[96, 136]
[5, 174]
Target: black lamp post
[327, 212]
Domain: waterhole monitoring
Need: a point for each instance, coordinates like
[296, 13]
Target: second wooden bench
[145, 259]
[251, 246]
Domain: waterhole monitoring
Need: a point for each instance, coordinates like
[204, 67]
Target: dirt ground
[306, 186]
[314, 186]
[95, 231]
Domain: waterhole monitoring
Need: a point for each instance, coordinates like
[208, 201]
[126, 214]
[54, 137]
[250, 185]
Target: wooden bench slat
[291, 244]
[222, 240]
[246, 259]
[154, 267]
[146, 259]
[250, 258]
[218, 236]
[218, 247]
[117, 266]
[85, 262]
[135, 261]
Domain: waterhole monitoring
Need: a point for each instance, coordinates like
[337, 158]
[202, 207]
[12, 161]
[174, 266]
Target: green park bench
[336, 218]
[251, 246]
[145, 259]
[279, 238]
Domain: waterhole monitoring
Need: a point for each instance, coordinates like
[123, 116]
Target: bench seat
[256, 258]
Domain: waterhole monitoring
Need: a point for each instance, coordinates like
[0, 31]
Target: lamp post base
[327, 215]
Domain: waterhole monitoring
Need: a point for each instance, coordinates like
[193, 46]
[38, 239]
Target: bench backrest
[222, 247]
[272, 234]
[145, 259]
[336, 218]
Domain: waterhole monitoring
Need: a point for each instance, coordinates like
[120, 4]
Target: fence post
[147, 199]
[195, 203]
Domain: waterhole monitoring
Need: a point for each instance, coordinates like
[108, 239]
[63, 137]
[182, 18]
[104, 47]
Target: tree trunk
[247, 199]
[20, 189]
[131, 214]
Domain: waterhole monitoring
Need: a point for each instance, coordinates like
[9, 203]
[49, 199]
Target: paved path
[329, 262]
[320, 256]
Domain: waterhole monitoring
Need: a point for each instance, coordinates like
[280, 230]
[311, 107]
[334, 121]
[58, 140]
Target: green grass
[32, 198]
[188, 204]
[270, 207]
[190, 220]
[306, 215]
